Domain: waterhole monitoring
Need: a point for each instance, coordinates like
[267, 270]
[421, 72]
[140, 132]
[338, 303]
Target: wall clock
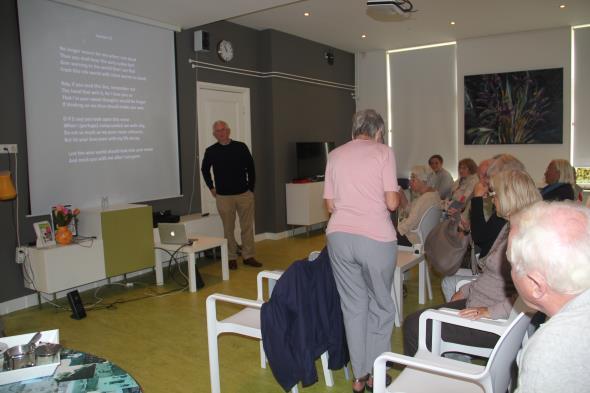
[225, 50]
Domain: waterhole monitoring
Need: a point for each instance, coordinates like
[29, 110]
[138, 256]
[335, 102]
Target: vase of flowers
[64, 218]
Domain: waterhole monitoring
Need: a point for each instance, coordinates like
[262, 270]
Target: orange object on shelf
[63, 235]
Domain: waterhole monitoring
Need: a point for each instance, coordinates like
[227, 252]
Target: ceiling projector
[401, 7]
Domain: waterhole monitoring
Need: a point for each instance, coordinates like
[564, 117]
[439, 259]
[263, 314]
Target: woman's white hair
[420, 172]
[553, 238]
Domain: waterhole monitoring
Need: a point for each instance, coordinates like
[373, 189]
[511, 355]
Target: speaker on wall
[201, 41]
[75, 301]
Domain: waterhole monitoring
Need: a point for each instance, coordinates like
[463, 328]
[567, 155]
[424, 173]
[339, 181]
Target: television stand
[305, 204]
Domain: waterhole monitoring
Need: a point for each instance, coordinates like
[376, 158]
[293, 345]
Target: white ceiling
[340, 23]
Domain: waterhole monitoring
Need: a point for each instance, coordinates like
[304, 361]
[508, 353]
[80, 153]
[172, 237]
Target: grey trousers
[363, 271]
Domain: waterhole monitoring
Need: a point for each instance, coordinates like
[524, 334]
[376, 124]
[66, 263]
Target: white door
[230, 104]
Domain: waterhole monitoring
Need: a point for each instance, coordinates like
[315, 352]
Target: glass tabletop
[79, 372]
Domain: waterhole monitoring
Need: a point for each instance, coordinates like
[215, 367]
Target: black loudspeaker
[75, 300]
[201, 41]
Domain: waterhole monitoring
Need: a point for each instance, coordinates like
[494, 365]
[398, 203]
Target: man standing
[549, 249]
[233, 169]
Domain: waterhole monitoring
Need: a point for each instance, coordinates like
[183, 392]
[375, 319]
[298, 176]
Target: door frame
[243, 91]
[247, 127]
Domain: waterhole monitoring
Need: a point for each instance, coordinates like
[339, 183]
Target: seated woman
[560, 181]
[480, 219]
[463, 186]
[440, 179]
[492, 293]
[427, 197]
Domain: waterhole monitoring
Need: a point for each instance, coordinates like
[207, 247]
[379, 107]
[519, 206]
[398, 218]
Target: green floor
[162, 341]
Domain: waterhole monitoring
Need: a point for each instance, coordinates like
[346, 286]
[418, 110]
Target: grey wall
[282, 112]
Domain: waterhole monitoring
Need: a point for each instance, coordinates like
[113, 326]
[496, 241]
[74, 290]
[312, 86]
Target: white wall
[501, 53]
[371, 82]
[517, 52]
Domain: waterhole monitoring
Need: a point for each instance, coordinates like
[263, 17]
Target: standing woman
[360, 190]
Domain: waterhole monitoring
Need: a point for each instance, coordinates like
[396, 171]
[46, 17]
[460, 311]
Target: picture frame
[520, 107]
[45, 234]
[72, 226]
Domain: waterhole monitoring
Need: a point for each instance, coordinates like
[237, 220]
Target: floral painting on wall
[523, 107]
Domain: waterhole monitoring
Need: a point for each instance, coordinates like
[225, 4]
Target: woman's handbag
[445, 247]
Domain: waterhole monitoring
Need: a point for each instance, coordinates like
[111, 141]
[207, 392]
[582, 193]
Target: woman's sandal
[359, 381]
[369, 388]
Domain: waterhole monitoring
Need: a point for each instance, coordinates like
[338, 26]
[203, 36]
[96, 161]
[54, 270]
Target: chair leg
[213, 349]
[421, 282]
[327, 372]
[262, 356]
[397, 296]
[346, 372]
[428, 283]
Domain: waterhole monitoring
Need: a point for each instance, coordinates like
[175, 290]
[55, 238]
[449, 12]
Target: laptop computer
[174, 233]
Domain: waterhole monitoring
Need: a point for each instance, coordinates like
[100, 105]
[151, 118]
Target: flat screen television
[312, 158]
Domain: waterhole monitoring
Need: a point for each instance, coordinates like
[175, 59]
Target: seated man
[427, 197]
[549, 249]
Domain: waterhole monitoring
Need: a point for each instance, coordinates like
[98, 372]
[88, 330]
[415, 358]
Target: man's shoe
[233, 264]
[252, 262]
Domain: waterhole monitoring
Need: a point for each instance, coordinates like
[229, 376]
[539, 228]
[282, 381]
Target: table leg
[422, 281]
[224, 261]
[158, 268]
[397, 293]
[192, 275]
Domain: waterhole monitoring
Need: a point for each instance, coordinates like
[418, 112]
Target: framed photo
[44, 233]
[72, 225]
[523, 107]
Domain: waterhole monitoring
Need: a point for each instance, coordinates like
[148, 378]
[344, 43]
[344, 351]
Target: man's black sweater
[233, 168]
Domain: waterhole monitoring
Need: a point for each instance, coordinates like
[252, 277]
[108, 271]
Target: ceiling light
[306, 14]
[562, 6]
[453, 22]
[364, 36]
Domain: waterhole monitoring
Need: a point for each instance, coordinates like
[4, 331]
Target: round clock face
[225, 50]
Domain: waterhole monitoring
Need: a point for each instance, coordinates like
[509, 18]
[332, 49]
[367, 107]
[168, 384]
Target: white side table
[201, 244]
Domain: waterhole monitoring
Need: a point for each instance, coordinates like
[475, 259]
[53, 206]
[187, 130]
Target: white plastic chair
[408, 257]
[440, 346]
[427, 371]
[246, 323]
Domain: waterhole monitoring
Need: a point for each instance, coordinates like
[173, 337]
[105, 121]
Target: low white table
[201, 244]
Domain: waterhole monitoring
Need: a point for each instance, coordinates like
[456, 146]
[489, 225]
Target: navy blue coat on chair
[302, 320]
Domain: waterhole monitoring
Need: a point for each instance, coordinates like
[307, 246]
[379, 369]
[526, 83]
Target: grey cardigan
[493, 288]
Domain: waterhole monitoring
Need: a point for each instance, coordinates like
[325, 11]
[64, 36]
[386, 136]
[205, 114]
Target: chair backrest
[503, 356]
[428, 221]
[272, 277]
